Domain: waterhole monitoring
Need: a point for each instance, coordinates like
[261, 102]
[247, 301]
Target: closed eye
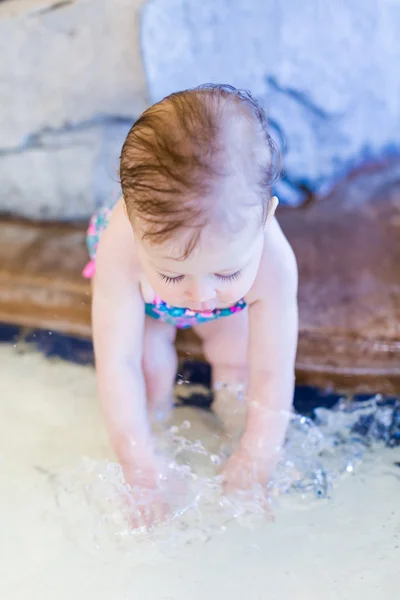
[228, 278]
[172, 280]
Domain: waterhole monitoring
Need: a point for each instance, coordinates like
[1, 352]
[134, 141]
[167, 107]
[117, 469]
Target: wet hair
[174, 155]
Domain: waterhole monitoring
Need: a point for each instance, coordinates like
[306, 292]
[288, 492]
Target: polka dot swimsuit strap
[184, 317]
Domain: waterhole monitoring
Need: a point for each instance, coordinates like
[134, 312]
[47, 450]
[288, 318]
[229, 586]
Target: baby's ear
[273, 203]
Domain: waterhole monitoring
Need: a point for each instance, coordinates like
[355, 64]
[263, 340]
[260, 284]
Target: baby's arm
[118, 324]
[273, 320]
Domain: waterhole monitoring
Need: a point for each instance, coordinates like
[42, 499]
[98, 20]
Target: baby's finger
[147, 509]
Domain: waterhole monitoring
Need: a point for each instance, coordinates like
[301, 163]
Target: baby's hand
[243, 472]
[146, 501]
[147, 508]
[248, 467]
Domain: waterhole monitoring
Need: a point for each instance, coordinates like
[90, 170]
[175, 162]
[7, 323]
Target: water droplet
[317, 453]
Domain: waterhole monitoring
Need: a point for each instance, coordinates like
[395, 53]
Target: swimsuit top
[184, 317]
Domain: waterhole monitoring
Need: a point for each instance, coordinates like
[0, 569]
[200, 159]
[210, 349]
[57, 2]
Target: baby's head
[196, 173]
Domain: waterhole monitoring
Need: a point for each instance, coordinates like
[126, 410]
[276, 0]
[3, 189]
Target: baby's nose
[201, 291]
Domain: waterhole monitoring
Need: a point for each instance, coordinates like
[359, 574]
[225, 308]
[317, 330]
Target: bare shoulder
[119, 225]
[278, 268]
[116, 252]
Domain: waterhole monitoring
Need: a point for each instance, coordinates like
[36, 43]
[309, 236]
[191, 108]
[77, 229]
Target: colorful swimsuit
[182, 318]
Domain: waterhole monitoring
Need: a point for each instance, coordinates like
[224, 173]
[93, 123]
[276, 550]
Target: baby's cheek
[172, 294]
[157, 286]
[231, 293]
[242, 288]
[248, 281]
[163, 291]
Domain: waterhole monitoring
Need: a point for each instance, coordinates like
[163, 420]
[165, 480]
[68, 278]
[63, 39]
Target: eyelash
[175, 280]
[228, 278]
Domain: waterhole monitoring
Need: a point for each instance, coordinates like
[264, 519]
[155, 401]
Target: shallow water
[333, 532]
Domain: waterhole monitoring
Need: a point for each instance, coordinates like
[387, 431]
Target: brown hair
[171, 158]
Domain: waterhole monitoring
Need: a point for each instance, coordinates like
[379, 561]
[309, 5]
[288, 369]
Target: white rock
[327, 71]
[66, 66]
[64, 174]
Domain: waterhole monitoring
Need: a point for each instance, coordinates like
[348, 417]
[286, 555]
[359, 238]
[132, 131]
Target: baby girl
[193, 242]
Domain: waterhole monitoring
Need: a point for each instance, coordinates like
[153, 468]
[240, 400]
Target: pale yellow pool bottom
[347, 548]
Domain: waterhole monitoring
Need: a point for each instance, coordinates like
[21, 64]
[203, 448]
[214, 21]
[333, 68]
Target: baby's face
[219, 272]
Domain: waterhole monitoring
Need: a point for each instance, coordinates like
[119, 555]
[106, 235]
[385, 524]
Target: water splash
[318, 453]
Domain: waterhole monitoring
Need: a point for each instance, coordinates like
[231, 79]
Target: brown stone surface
[348, 249]
[41, 284]
[40, 281]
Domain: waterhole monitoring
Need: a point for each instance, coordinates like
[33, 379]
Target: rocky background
[75, 74]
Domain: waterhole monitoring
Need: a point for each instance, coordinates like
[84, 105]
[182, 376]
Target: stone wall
[71, 85]
[327, 71]
[72, 81]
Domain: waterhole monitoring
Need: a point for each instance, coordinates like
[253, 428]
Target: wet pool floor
[344, 548]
